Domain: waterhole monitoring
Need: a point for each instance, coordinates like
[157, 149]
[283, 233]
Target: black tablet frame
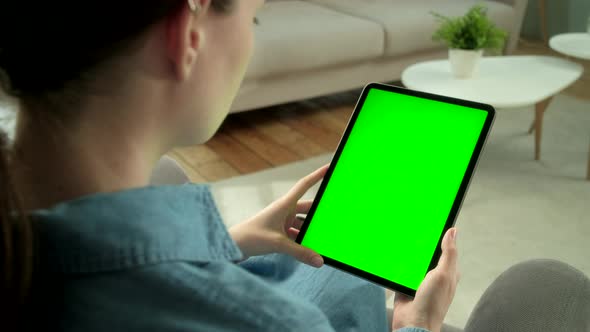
[458, 199]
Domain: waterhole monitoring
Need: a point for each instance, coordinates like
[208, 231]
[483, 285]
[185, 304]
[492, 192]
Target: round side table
[576, 45]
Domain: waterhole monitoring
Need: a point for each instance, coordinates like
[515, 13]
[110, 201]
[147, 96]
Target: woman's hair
[50, 52]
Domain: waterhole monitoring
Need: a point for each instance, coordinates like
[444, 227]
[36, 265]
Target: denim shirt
[160, 259]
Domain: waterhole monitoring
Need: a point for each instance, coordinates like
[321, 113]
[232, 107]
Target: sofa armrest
[519, 11]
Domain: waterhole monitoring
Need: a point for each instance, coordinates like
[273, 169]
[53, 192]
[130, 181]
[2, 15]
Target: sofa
[309, 48]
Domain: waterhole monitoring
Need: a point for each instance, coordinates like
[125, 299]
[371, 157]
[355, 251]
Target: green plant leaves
[473, 31]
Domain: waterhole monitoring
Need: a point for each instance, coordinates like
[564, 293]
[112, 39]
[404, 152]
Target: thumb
[302, 254]
[448, 259]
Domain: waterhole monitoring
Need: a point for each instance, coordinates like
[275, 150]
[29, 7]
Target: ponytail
[16, 247]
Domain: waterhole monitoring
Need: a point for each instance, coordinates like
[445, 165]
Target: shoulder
[214, 296]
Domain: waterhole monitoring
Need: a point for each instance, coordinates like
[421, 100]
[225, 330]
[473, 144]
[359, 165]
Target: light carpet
[516, 208]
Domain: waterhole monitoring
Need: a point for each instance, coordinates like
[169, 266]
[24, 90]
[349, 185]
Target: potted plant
[467, 37]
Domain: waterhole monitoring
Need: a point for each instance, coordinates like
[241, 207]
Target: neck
[57, 161]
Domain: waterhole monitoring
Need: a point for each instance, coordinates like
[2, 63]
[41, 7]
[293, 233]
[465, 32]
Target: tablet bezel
[458, 199]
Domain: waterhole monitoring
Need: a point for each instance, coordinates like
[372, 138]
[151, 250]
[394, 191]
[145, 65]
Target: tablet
[396, 184]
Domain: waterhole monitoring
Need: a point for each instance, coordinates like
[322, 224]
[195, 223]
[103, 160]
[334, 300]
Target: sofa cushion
[298, 36]
[409, 25]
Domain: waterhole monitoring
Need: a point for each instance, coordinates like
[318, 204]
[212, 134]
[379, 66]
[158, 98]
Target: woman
[97, 112]
[105, 89]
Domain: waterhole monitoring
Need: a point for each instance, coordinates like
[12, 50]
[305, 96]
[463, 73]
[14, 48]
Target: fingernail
[454, 234]
[317, 261]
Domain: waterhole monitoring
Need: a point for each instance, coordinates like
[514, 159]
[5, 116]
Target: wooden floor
[256, 140]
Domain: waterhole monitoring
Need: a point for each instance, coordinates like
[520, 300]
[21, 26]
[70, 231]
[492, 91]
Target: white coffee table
[576, 45]
[503, 82]
[573, 44]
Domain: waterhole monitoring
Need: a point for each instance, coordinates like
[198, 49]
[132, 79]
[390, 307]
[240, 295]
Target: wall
[562, 16]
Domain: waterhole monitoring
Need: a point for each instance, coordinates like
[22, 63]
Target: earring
[194, 6]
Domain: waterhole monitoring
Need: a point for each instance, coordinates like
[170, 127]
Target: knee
[550, 283]
[549, 270]
[536, 295]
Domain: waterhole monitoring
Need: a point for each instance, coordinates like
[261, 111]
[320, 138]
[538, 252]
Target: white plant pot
[464, 62]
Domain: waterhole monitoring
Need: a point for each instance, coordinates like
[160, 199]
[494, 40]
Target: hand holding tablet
[435, 294]
[396, 184]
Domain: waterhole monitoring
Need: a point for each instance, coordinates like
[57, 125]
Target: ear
[184, 37]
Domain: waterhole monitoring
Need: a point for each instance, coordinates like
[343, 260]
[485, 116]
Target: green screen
[391, 192]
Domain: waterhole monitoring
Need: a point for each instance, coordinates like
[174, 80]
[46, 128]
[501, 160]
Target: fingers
[295, 222]
[303, 206]
[448, 259]
[303, 185]
[301, 209]
[292, 233]
[302, 254]
[298, 222]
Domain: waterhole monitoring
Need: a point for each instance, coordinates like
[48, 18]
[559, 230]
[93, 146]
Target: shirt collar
[122, 230]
